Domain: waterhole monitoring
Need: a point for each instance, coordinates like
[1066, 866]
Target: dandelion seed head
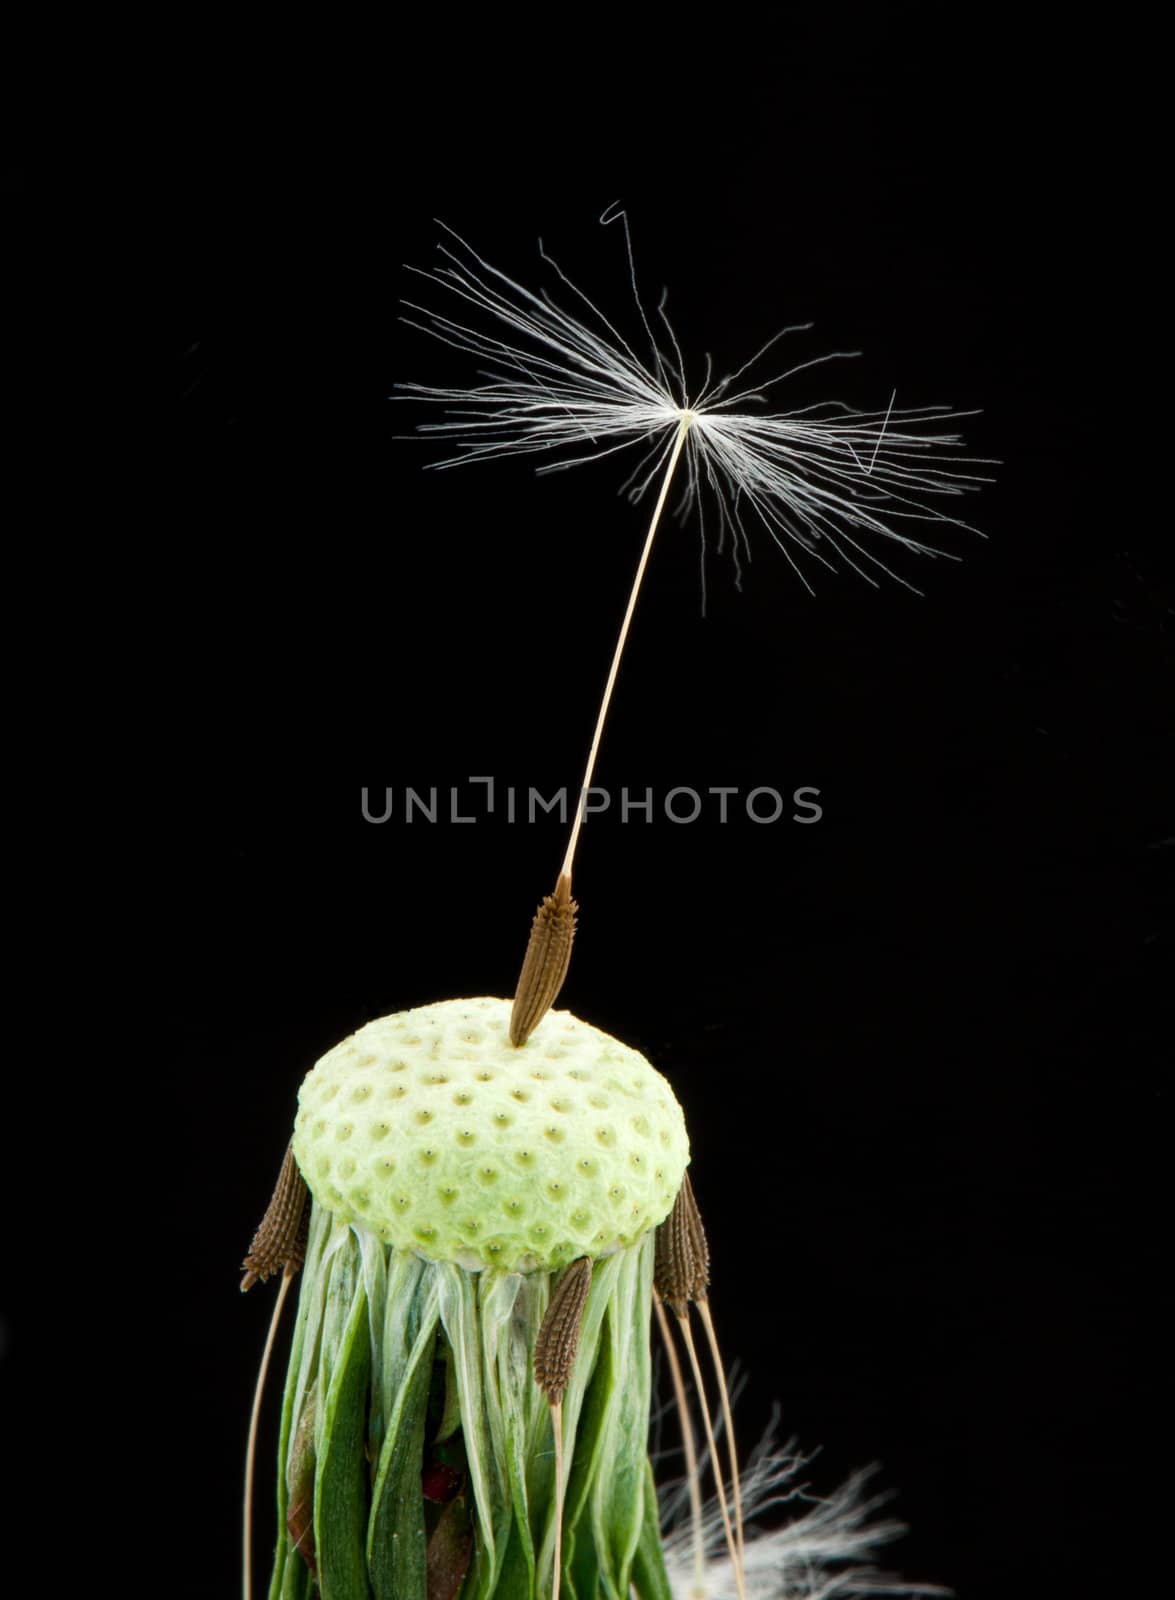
[559, 379]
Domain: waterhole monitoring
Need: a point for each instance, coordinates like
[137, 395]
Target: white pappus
[823, 480]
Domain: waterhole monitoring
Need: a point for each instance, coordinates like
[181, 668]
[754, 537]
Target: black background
[916, 1043]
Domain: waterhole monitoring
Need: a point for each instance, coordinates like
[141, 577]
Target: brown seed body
[548, 954]
[558, 1338]
[681, 1262]
[280, 1240]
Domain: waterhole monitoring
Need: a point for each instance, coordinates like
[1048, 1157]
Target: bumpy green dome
[430, 1128]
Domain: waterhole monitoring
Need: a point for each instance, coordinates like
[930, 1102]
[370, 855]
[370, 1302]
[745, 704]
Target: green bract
[435, 1132]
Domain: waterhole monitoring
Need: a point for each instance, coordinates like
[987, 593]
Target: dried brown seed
[558, 1337]
[280, 1240]
[544, 967]
[681, 1262]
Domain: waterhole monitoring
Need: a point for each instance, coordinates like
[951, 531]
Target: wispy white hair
[820, 479]
[826, 1551]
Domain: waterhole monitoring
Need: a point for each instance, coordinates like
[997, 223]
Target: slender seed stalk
[703, 1305]
[577, 820]
[289, 1271]
[549, 949]
[695, 1365]
[691, 1453]
[560, 1490]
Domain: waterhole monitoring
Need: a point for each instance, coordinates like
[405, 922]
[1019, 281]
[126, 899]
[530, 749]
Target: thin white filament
[828, 1550]
[823, 480]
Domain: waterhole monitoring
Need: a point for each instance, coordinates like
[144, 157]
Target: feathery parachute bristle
[829, 1549]
[824, 480]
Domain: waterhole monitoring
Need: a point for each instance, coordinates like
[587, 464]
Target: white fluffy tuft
[818, 479]
[825, 1552]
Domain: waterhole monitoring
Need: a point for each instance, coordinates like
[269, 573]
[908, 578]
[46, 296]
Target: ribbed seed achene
[544, 967]
[558, 1338]
[280, 1240]
[681, 1271]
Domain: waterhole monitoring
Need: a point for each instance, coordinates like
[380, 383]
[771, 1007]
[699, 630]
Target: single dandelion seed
[823, 481]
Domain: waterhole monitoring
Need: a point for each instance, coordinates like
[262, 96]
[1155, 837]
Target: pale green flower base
[431, 1130]
[372, 1321]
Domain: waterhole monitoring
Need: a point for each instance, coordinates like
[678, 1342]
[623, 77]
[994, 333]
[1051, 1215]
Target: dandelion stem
[577, 820]
[691, 1454]
[288, 1273]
